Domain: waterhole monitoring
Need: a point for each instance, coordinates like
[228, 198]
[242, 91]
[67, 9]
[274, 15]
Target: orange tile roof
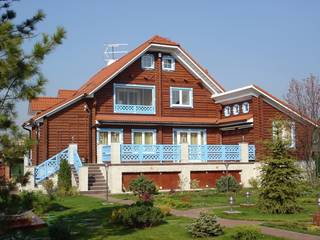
[65, 93]
[106, 72]
[42, 103]
[155, 119]
[239, 118]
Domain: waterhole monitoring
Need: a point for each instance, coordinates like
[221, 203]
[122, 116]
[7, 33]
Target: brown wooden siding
[208, 179]
[163, 180]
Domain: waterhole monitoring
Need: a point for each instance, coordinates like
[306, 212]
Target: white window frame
[292, 132]
[109, 130]
[227, 111]
[243, 107]
[189, 131]
[173, 65]
[143, 131]
[180, 89]
[143, 62]
[234, 107]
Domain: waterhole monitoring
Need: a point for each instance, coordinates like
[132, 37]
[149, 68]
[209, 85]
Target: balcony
[134, 109]
[165, 153]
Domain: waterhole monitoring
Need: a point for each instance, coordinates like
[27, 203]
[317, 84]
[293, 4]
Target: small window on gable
[286, 131]
[181, 97]
[168, 63]
[147, 61]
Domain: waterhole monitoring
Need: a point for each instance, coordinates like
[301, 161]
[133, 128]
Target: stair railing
[50, 166]
[76, 161]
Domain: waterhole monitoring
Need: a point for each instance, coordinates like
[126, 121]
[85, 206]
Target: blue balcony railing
[252, 152]
[205, 153]
[143, 153]
[136, 109]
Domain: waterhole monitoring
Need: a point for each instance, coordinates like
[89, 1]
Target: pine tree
[20, 75]
[280, 177]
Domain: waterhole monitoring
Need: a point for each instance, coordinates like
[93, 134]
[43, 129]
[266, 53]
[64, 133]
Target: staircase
[96, 181]
[75, 174]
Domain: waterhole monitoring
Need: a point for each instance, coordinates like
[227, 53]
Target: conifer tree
[280, 176]
[20, 75]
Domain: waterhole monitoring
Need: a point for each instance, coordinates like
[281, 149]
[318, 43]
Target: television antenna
[113, 50]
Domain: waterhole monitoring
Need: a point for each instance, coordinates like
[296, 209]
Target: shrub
[205, 226]
[227, 183]
[49, 188]
[64, 177]
[143, 188]
[165, 209]
[254, 183]
[247, 233]
[194, 184]
[59, 231]
[138, 216]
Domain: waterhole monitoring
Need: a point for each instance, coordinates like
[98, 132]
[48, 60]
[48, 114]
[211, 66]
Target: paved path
[195, 212]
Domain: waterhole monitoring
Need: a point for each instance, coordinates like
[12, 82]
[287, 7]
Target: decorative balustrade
[137, 109]
[106, 153]
[252, 152]
[76, 161]
[50, 166]
[143, 153]
[205, 153]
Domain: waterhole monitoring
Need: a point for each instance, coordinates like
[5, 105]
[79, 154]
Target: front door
[106, 136]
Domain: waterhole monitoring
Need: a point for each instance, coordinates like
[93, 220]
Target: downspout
[29, 152]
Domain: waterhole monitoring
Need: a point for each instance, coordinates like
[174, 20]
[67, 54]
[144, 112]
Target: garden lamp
[248, 197]
[231, 202]
[318, 202]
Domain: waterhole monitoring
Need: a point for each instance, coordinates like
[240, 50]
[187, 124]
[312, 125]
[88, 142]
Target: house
[156, 111]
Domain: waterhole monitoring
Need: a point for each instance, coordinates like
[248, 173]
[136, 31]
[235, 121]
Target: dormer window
[227, 111]
[236, 109]
[147, 61]
[245, 107]
[168, 63]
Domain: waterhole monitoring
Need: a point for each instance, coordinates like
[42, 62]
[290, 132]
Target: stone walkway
[194, 213]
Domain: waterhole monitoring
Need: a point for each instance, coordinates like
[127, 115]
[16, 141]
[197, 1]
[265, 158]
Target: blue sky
[240, 42]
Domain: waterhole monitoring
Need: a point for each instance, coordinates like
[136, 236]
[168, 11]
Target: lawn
[89, 218]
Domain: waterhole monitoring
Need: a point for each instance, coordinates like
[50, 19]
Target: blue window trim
[172, 105]
[99, 130]
[138, 86]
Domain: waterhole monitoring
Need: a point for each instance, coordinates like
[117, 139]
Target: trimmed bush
[143, 188]
[227, 183]
[247, 233]
[59, 231]
[165, 209]
[205, 226]
[64, 177]
[138, 216]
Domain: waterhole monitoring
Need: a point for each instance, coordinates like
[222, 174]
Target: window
[181, 97]
[147, 61]
[106, 136]
[245, 107]
[236, 109]
[284, 130]
[144, 136]
[168, 63]
[227, 111]
[130, 98]
[189, 136]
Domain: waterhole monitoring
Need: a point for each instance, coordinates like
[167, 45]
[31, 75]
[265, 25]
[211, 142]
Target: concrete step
[94, 192]
[94, 188]
[97, 184]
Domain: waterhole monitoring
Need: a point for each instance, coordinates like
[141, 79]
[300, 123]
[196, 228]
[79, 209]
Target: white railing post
[71, 149]
[99, 154]
[244, 152]
[83, 178]
[184, 153]
[115, 153]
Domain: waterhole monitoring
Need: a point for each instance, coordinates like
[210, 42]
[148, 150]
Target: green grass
[301, 227]
[195, 199]
[89, 218]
